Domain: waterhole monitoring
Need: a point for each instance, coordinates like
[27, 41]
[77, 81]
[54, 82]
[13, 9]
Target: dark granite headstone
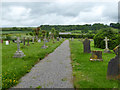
[96, 56]
[57, 38]
[28, 42]
[113, 71]
[24, 41]
[86, 45]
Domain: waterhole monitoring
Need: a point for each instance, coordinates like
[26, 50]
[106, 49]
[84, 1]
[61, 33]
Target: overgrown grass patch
[89, 74]
[14, 68]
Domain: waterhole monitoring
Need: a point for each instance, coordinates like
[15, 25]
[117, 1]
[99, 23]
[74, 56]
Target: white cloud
[62, 12]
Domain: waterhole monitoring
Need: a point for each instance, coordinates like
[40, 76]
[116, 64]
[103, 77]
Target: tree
[37, 32]
[109, 33]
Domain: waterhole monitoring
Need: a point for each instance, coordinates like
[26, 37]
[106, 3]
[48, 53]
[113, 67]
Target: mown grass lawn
[89, 74]
[14, 68]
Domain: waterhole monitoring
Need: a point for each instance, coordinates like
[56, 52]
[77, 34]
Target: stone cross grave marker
[106, 50]
[44, 46]
[86, 45]
[113, 71]
[28, 42]
[18, 53]
[57, 38]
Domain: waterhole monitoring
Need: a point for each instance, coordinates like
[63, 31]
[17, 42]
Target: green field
[14, 68]
[89, 74]
[14, 32]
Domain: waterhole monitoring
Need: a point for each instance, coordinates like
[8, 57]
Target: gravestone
[57, 38]
[7, 42]
[72, 39]
[44, 46]
[24, 41]
[18, 53]
[28, 42]
[53, 40]
[106, 50]
[113, 71]
[86, 45]
[96, 56]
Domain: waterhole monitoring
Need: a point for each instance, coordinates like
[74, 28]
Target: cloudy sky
[58, 13]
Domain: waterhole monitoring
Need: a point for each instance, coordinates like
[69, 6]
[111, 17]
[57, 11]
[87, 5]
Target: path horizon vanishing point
[54, 71]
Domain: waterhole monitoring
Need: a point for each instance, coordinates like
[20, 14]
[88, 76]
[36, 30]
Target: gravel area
[54, 71]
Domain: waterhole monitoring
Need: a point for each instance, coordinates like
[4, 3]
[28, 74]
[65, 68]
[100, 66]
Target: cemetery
[59, 44]
[91, 65]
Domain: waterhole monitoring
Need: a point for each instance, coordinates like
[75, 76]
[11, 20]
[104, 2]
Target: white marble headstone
[7, 42]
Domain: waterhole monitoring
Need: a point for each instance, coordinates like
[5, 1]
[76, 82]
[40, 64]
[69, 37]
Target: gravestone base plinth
[18, 54]
[96, 56]
[107, 51]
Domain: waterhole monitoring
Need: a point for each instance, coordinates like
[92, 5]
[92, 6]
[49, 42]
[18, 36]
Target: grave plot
[14, 68]
[89, 74]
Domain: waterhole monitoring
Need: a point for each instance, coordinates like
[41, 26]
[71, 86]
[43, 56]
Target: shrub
[110, 34]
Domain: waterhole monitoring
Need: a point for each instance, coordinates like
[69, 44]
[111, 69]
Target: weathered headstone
[96, 56]
[72, 39]
[28, 42]
[7, 42]
[106, 50]
[18, 53]
[86, 45]
[57, 38]
[53, 40]
[113, 71]
[24, 41]
[44, 46]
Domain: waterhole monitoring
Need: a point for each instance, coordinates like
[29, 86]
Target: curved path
[54, 71]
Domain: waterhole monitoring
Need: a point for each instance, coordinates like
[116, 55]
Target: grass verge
[90, 74]
[14, 68]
